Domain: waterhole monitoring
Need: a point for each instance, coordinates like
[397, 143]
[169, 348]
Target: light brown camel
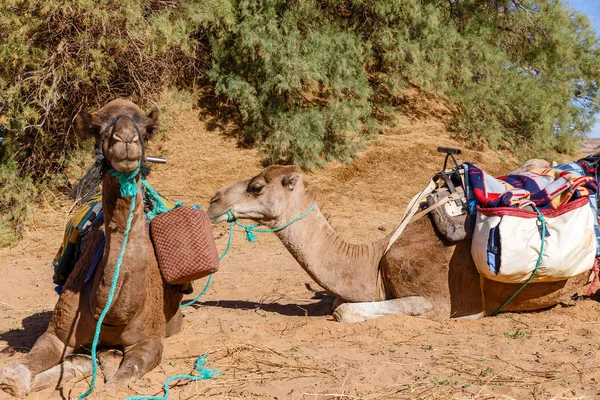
[144, 309]
[421, 274]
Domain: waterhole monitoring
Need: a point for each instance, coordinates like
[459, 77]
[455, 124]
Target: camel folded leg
[175, 324]
[17, 378]
[356, 312]
[76, 366]
[138, 359]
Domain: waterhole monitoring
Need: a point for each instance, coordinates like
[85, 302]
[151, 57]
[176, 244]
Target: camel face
[262, 198]
[116, 126]
[122, 147]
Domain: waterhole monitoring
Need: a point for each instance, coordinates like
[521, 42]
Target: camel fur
[143, 310]
[421, 274]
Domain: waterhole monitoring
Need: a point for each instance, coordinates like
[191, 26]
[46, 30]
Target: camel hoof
[336, 303]
[16, 379]
[125, 375]
[175, 324]
[110, 361]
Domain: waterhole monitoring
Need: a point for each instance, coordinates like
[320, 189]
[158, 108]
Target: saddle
[504, 223]
[448, 204]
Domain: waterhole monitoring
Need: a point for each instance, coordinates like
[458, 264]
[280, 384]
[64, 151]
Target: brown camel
[143, 310]
[421, 274]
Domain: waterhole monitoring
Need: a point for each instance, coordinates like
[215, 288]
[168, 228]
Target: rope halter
[250, 229]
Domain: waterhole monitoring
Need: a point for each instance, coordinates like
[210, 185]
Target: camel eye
[256, 189]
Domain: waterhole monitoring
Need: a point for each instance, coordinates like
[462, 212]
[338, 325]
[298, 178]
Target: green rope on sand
[537, 265]
[204, 373]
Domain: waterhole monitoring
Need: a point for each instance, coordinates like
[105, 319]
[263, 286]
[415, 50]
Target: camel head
[264, 198]
[120, 129]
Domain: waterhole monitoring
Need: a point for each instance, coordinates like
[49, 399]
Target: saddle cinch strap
[441, 180]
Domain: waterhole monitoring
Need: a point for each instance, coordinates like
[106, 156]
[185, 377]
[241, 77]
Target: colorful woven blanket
[546, 189]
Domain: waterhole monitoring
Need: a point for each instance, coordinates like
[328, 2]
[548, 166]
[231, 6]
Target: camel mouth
[223, 217]
[125, 165]
[217, 212]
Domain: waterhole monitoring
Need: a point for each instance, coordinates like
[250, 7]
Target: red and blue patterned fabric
[546, 189]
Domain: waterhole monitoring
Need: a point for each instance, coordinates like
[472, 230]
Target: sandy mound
[267, 326]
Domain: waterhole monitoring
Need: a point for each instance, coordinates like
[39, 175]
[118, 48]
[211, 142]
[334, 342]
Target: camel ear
[86, 125]
[153, 125]
[291, 180]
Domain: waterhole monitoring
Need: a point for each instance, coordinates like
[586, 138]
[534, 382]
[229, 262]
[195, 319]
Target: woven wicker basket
[184, 245]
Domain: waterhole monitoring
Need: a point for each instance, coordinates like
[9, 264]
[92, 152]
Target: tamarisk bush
[307, 80]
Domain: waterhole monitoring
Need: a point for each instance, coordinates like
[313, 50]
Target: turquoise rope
[189, 303]
[537, 265]
[204, 372]
[159, 206]
[128, 188]
[250, 229]
[232, 219]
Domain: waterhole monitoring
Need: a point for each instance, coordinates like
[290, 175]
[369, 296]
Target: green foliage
[58, 57]
[296, 77]
[305, 76]
[524, 74]
[15, 203]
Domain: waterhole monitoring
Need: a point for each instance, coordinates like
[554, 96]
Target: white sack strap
[411, 210]
[506, 243]
[453, 196]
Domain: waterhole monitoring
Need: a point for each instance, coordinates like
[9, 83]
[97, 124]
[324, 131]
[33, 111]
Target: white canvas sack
[506, 243]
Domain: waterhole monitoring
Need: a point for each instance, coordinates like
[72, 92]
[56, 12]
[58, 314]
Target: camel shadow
[320, 307]
[22, 340]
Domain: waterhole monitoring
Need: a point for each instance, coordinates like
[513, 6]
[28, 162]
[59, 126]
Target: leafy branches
[306, 78]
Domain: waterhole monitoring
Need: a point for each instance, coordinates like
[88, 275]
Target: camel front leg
[17, 378]
[138, 359]
[356, 312]
[77, 366]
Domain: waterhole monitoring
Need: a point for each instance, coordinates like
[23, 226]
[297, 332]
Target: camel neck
[347, 270]
[133, 269]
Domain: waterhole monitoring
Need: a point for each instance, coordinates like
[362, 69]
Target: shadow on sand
[21, 340]
[320, 307]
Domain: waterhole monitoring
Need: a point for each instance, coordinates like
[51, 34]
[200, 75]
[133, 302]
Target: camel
[534, 163]
[422, 273]
[144, 310]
